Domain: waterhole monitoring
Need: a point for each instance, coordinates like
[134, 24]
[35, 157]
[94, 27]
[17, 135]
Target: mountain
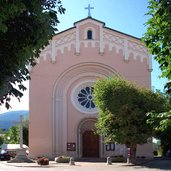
[12, 118]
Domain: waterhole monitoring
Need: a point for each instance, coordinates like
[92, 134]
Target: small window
[89, 34]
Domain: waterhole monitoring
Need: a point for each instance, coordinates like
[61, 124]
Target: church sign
[71, 146]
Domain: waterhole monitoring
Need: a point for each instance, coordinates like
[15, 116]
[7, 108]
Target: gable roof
[91, 19]
[103, 24]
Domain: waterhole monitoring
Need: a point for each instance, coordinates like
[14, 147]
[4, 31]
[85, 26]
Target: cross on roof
[89, 8]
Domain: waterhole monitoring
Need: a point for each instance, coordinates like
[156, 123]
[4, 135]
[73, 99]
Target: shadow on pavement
[161, 163]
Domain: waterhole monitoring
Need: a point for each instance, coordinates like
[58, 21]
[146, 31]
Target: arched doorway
[90, 144]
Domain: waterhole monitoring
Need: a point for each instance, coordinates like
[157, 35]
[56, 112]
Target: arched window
[89, 34]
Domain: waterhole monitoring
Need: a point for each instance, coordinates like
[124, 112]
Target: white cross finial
[89, 8]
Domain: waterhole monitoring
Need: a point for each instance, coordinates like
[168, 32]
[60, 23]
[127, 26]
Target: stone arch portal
[89, 143]
[59, 105]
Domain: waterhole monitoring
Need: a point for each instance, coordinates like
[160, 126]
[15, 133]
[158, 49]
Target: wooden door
[90, 144]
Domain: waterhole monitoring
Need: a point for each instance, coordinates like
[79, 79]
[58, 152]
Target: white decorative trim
[101, 41]
[92, 42]
[89, 21]
[77, 41]
[110, 39]
[126, 55]
[150, 63]
[113, 41]
[128, 46]
[70, 37]
[53, 55]
[138, 50]
[53, 120]
[107, 39]
[46, 52]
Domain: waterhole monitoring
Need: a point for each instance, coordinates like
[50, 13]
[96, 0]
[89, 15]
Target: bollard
[109, 162]
[128, 155]
[71, 161]
[128, 161]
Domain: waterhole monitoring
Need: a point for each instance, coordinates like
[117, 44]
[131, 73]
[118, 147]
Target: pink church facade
[62, 113]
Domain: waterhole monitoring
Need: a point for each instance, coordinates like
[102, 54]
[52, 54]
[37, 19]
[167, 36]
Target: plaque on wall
[71, 146]
[110, 147]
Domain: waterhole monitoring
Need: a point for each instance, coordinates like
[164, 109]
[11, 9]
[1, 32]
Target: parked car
[4, 155]
[9, 151]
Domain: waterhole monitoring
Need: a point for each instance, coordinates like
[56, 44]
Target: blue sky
[127, 16]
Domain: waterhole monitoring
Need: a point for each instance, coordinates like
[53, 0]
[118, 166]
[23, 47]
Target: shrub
[62, 159]
[43, 161]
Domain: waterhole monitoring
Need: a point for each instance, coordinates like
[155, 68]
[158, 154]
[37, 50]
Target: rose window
[85, 97]
[82, 98]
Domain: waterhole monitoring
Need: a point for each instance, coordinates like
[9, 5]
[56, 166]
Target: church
[62, 112]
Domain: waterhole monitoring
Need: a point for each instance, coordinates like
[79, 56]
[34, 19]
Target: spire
[89, 8]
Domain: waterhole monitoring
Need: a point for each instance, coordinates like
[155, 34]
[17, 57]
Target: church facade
[62, 112]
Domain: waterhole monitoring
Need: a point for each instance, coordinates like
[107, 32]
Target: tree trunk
[133, 148]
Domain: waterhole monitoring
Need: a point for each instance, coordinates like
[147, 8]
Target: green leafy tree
[25, 28]
[13, 135]
[161, 124]
[123, 109]
[2, 133]
[158, 36]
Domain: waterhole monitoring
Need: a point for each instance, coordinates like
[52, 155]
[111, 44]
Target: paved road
[157, 165]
